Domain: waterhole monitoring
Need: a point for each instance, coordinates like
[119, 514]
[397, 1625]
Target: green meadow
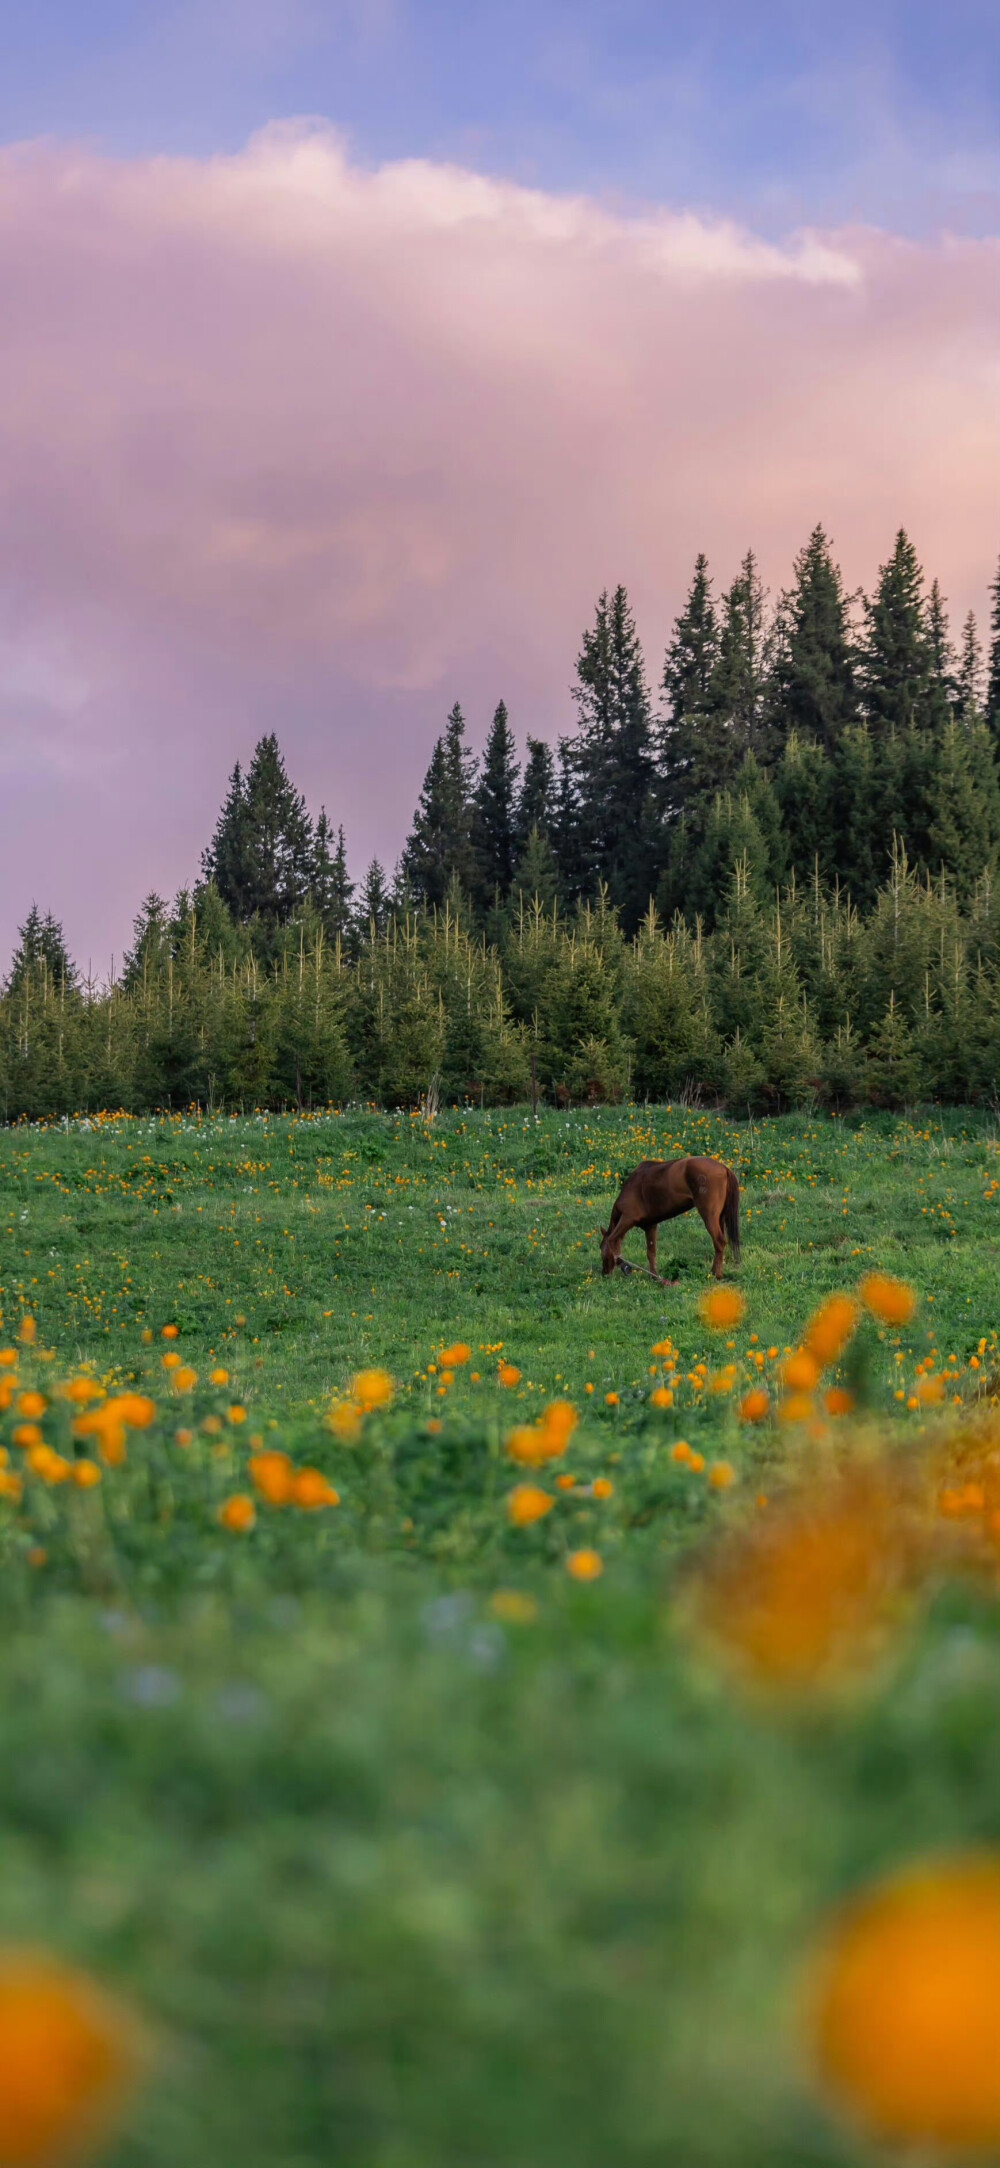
[397, 1871]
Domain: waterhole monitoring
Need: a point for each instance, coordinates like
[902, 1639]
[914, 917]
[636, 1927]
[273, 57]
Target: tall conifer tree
[260, 855]
[969, 680]
[536, 806]
[439, 849]
[611, 755]
[992, 707]
[813, 691]
[689, 758]
[897, 661]
[494, 828]
[330, 886]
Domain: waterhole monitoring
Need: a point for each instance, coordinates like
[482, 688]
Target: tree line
[774, 884]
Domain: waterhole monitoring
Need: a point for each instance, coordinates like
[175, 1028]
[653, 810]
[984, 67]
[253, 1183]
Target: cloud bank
[289, 444]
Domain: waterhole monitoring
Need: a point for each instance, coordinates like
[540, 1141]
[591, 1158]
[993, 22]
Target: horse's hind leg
[651, 1231]
[712, 1216]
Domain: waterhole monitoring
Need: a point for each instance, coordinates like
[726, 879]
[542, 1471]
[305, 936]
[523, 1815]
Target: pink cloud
[286, 443]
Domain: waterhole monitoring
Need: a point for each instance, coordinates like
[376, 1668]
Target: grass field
[410, 1847]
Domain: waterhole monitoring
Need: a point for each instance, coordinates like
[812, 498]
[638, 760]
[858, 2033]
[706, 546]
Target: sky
[350, 349]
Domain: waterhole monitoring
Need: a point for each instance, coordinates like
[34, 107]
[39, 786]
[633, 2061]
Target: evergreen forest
[768, 879]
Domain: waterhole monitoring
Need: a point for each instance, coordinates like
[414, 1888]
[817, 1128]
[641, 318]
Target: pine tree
[536, 806]
[812, 694]
[439, 849]
[992, 709]
[692, 750]
[260, 854]
[897, 659]
[151, 944]
[737, 682]
[944, 684]
[495, 813]
[374, 903]
[969, 680]
[611, 756]
[536, 874]
[41, 954]
[330, 887]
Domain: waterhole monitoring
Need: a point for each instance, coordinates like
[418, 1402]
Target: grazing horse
[660, 1189]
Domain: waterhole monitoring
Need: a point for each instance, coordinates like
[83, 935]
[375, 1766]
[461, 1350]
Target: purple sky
[319, 426]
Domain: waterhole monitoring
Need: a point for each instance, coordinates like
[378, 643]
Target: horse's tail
[731, 1214]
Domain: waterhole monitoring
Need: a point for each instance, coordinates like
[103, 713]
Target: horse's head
[610, 1250]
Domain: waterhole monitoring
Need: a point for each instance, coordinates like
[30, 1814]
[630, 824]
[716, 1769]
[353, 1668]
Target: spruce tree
[41, 954]
[899, 687]
[260, 854]
[812, 693]
[536, 806]
[439, 849]
[151, 944]
[944, 684]
[374, 903]
[737, 682]
[495, 813]
[611, 756]
[536, 873]
[992, 707]
[969, 678]
[691, 747]
[330, 886]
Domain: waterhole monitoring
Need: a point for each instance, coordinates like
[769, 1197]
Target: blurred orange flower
[67, 2059]
[830, 1328]
[373, 1389]
[239, 1513]
[754, 1405]
[906, 2023]
[585, 1565]
[527, 1503]
[888, 1299]
[722, 1307]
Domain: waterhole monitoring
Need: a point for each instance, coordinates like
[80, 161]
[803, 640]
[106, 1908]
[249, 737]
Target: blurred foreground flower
[807, 1594]
[372, 1389]
[68, 2057]
[906, 2006]
[889, 1300]
[722, 1307]
[452, 1358]
[830, 1328]
[532, 1444]
[527, 1503]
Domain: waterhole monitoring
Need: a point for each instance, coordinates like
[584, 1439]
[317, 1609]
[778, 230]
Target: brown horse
[659, 1190]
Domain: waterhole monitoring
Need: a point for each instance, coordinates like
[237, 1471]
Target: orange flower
[830, 1328]
[612, 1400]
[68, 2058]
[661, 1397]
[696, 1463]
[32, 1404]
[135, 1409]
[513, 1607]
[888, 1299]
[527, 1503]
[236, 1414]
[435, 1427]
[800, 1371]
[663, 1347]
[754, 1405]
[721, 1308]
[310, 1490]
[532, 1444]
[509, 1374]
[29, 1331]
[218, 1377]
[8, 1356]
[721, 1474]
[185, 1379]
[27, 1435]
[80, 1390]
[585, 1565]
[906, 2027]
[86, 1474]
[272, 1475]
[238, 1514]
[184, 1437]
[809, 1591]
[43, 1460]
[797, 1408]
[452, 1358]
[170, 1332]
[373, 1389]
[11, 1486]
[930, 1392]
[171, 1360]
[681, 1452]
[602, 1487]
[345, 1420]
[838, 1401]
